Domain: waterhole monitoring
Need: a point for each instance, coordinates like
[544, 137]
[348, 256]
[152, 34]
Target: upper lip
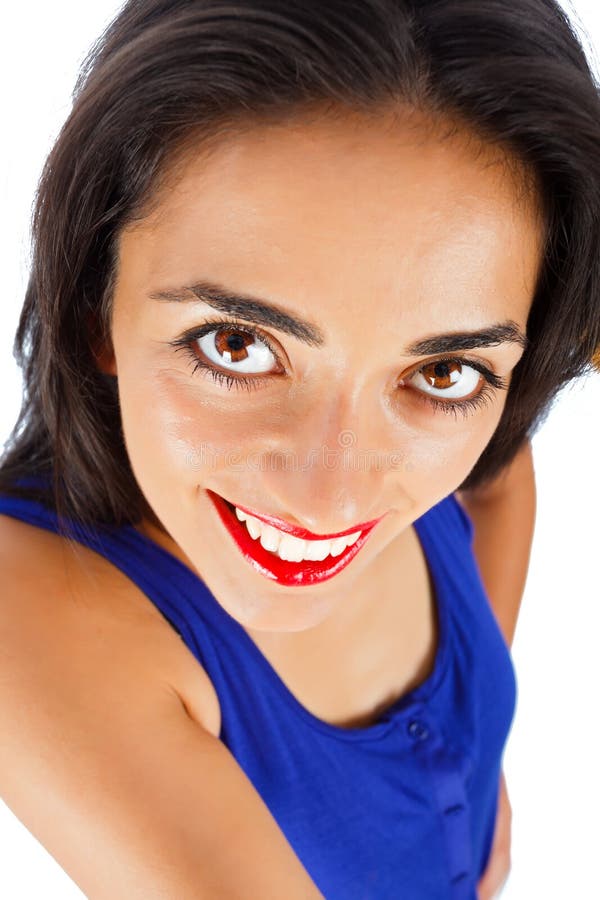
[303, 533]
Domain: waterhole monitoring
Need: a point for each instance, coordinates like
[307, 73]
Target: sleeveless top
[402, 808]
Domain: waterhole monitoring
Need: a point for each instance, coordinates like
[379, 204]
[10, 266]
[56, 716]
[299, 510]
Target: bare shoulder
[61, 597]
[98, 757]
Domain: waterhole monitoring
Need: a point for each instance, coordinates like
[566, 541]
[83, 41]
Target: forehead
[383, 205]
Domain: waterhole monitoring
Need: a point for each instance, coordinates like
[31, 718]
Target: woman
[303, 275]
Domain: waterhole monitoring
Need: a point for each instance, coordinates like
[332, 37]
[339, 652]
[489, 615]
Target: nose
[333, 471]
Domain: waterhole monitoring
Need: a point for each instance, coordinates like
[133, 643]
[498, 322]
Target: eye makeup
[188, 344]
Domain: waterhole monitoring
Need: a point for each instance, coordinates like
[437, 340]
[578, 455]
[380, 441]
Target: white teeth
[254, 527]
[338, 546]
[291, 548]
[317, 550]
[269, 537]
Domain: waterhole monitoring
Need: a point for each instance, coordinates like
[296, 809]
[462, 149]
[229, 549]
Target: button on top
[418, 730]
[460, 877]
[454, 810]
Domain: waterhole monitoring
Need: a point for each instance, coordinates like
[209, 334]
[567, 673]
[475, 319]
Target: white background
[553, 752]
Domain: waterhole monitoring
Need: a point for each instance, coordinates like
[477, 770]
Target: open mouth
[270, 564]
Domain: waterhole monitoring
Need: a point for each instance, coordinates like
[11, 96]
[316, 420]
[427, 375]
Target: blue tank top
[402, 809]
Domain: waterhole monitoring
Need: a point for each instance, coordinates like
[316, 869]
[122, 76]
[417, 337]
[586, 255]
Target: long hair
[167, 75]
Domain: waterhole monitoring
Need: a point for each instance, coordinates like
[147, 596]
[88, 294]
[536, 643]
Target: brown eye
[448, 379]
[232, 344]
[237, 350]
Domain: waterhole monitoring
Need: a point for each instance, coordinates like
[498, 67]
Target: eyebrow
[261, 312]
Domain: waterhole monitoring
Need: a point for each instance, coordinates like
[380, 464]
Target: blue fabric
[404, 808]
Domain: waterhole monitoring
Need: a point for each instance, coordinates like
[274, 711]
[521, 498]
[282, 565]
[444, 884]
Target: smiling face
[357, 239]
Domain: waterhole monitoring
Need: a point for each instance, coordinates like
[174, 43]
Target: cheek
[194, 430]
[172, 424]
[437, 458]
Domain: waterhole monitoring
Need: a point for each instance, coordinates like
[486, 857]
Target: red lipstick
[270, 565]
[302, 533]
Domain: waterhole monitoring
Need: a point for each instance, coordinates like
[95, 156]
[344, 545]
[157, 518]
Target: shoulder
[61, 598]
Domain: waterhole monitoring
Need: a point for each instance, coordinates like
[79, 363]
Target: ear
[102, 349]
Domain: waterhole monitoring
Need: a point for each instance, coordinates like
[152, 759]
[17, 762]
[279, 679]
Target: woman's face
[358, 240]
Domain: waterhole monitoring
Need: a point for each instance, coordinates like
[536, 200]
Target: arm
[503, 516]
[102, 764]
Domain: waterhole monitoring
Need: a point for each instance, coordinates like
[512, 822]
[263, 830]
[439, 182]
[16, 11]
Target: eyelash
[492, 381]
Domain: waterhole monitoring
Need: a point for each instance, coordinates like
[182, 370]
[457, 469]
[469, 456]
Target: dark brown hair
[167, 75]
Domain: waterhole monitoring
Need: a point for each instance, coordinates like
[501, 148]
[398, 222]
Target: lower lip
[290, 574]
